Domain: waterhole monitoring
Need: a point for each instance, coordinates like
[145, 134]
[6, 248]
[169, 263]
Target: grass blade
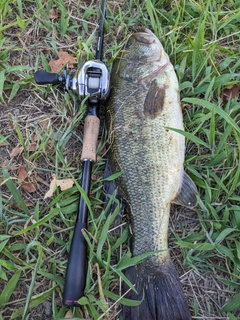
[2, 79]
[231, 305]
[8, 290]
[31, 287]
[14, 191]
[35, 301]
[212, 107]
[190, 137]
[197, 50]
[51, 214]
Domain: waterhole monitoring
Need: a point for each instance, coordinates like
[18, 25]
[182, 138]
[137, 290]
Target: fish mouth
[145, 36]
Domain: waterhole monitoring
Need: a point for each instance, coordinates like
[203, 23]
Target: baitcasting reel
[92, 80]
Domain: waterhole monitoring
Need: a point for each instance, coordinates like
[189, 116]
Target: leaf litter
[16, 151]
[25, 180]
[64, 58]
[64, 184]
[53, 14]
[230, 92]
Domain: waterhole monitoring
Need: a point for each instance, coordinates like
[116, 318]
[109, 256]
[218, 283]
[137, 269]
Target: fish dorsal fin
[187, 194]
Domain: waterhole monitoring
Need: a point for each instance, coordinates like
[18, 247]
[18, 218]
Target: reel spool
[93, 80]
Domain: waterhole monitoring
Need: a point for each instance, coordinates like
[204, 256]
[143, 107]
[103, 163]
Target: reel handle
[43, 77]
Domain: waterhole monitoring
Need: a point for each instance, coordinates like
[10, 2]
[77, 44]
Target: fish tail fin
[161, 290]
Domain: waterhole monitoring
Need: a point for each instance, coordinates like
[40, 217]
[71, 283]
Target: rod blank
[77, 268]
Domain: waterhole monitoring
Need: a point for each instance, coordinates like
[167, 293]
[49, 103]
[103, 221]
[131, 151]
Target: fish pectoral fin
[109, 189]
[108, 186]
[187, 194]
[154, 101]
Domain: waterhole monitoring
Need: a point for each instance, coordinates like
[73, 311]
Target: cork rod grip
[90, 137]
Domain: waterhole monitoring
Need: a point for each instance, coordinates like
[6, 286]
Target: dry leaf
[16, 151]
[53, 14]
[69, 314]
[39, 179]
[52, 188]
[64, 184]
[4, 144]
[64, 58]
[29, 187]
[22, 174]
[23, 178]
[230, 92]
[32, 147]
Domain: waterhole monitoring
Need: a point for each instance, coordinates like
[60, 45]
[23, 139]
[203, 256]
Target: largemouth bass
[143, 107]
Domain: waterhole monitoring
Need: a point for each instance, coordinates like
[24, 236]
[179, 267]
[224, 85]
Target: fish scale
[143, 107]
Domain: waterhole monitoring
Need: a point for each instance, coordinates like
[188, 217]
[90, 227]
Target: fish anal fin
[187, 194]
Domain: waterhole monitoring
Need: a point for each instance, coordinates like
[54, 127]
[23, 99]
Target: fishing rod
[92, 81]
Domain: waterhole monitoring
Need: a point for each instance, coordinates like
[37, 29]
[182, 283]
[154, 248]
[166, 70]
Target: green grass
[203, 41]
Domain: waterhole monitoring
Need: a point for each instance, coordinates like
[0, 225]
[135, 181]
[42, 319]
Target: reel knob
[42, 77]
